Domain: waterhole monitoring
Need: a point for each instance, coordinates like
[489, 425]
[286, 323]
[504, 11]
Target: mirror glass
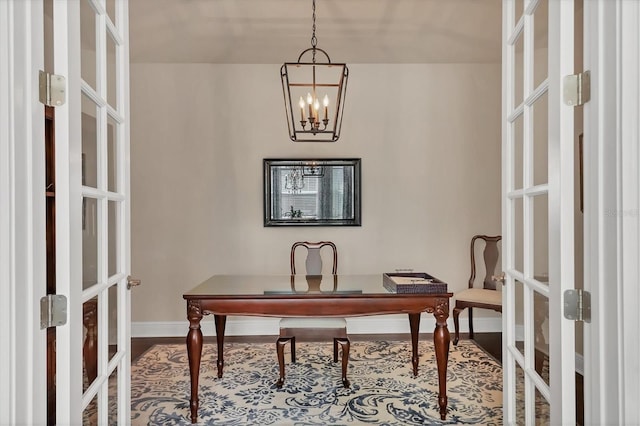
[307, 192]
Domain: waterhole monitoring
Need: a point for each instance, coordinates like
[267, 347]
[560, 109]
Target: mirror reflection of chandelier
[312, 169]
[294, 180]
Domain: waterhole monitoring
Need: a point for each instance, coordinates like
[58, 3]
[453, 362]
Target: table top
[295, 286]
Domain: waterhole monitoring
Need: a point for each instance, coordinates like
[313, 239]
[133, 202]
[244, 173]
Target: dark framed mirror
[312, 192]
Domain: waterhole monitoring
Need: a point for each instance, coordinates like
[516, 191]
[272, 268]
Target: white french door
[537, 212]
[90, 50]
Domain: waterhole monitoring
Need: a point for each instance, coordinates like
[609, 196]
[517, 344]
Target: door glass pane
[113, 237]
[113, 397]
[112, 155]
[520, 417]
[518, 235]
[113, 320]
[89, 143]
[519, 74]
[111, 10]
[518, 141]
[111, 71]
[90, 345]
[540, 43]
[88, 43]
[519, 9]
[519, 316]
[90, 414]
[541, 238]
[541, 335]
[543, 411]
[89, 242]
[540, 140]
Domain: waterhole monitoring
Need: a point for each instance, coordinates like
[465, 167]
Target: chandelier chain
[314, 40]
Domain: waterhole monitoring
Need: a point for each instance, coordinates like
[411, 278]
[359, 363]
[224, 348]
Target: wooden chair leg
[456, 323]
[293, 349]
[539, 361]
[280, 343]
[346, 345]
[335, 349]
[470, 323]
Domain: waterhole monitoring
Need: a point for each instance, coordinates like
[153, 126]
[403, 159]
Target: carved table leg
[414, 325]
[441, 341]
[221, 322]
[194, 352]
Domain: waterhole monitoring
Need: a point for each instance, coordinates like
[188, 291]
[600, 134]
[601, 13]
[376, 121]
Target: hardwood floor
[490, 342]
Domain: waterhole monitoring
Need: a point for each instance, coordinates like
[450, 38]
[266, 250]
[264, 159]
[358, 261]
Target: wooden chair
[486, 297]
[310, 327]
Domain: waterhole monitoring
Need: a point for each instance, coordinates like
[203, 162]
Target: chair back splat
[491, 255]
[313, 262]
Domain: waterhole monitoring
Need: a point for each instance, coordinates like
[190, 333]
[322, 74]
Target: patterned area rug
[383, 390]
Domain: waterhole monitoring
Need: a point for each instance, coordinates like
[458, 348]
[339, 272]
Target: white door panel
[92, 149]
[538, 343]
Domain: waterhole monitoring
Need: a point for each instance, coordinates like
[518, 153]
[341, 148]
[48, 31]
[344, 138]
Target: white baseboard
[259, 326]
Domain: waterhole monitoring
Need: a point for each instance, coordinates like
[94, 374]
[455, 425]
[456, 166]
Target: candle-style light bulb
[301, 103]
[316, 107]
[310, 102]
[325, 102]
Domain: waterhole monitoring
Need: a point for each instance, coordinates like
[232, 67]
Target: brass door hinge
[577, 305]
[52, 89]
[53, 311]
[576, 88]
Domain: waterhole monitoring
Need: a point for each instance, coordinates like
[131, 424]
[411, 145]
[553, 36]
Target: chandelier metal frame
[316, 76]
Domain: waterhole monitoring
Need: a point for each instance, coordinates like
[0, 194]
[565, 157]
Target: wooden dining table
[309, 296]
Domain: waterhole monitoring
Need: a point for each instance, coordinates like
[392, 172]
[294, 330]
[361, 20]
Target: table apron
[306, 307]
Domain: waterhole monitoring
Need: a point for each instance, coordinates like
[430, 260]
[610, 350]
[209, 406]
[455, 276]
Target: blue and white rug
[383, 390]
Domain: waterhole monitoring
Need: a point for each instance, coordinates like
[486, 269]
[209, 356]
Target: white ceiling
[351, 31]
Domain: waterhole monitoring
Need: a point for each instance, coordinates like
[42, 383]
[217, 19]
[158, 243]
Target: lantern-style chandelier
[314, 94]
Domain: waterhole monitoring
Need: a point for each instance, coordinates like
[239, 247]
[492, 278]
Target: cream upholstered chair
[486, 297]
[311, 327]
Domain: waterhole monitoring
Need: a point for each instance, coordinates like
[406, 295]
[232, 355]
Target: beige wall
[428, 136]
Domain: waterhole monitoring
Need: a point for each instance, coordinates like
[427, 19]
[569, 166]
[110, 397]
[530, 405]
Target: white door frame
[629, 230]
[612, 216]
[23, 379]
